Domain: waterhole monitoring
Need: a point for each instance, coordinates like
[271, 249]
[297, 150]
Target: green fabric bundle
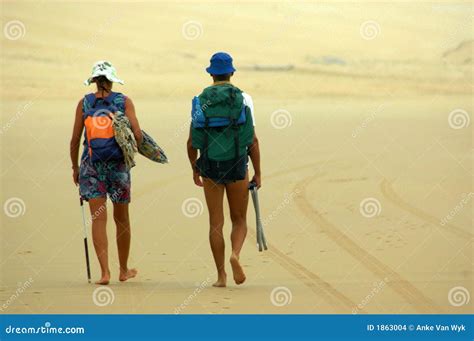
[150, 149]
[126, 140]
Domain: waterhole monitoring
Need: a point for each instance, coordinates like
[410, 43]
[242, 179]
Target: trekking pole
[261, 241]
[86, 248]
[260, 224]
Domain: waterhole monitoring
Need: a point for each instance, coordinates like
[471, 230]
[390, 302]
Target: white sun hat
[103, 68]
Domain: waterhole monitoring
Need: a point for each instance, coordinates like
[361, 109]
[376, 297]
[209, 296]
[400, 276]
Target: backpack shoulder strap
[196, 111]
[118, 99]
[88, 101]
[111, 97]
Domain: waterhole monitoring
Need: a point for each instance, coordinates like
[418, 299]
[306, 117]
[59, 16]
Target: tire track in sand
[395, 281]
[320, 287]
[315, 283]
[391, 195]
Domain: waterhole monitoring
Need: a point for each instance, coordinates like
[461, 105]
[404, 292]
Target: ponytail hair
[103, 84]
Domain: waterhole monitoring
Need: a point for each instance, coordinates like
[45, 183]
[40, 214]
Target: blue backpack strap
[197, 116]
[87, 102]
[118, 100]
[243, 117]
[111, 97]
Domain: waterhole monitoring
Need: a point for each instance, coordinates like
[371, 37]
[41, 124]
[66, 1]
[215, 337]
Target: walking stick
[261, 241]
[86, 248]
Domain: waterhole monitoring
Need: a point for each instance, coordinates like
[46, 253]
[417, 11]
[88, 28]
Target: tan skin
[237, 197]
[98, 206]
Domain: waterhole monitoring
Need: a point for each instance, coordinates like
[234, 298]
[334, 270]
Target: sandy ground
[367, 183]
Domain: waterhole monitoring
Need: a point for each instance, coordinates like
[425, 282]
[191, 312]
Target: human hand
[75, 175]
[197, 179]
[257, 180]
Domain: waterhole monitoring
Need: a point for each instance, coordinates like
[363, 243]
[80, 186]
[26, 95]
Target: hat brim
[219, 71]
[110, 78]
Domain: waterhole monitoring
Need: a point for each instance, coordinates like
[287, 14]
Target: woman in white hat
[102, 170]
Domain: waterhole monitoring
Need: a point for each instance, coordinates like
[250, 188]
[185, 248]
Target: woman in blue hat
[233, 181]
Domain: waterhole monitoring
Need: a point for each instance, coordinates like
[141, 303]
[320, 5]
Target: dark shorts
[242, 171]
[98, 179]
[223, 181]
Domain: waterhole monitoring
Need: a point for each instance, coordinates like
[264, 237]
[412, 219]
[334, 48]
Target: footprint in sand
[25, 252]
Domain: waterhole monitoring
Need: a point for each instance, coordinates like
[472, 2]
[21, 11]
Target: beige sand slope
[366, 141]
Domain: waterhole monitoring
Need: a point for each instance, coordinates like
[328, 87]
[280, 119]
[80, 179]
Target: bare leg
[238, 197]
[122, 221]
[214, 194]
[98, 208]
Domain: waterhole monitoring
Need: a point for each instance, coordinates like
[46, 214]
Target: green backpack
[222, 129]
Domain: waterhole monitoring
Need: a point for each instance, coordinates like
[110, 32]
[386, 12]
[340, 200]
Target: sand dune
[364, 115]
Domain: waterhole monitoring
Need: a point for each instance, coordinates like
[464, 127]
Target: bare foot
[239, 276]
[221, 281]
[104, 280]
[124, 275]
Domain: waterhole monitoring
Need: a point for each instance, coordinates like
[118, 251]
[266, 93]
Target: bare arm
[132, 117]
[76, 140]
[254, 153]
[192, 155]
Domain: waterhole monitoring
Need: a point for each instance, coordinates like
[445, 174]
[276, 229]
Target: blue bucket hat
[221, 63]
